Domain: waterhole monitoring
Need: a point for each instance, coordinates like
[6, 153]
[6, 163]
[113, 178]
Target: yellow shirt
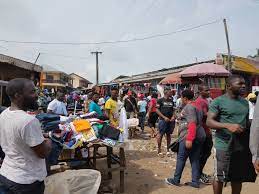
[112, 106]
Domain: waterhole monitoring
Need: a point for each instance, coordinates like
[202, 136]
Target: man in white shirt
[57, 106]
[23, 170]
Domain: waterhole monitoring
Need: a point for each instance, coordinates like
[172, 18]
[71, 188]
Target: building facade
[79, 82]
[11, 68]
[55, 80]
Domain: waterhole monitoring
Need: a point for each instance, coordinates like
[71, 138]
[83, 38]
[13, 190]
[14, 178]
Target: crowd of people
[201, 125]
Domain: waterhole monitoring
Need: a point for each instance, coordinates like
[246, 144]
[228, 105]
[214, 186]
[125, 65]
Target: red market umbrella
[205, 69]
[173, 78]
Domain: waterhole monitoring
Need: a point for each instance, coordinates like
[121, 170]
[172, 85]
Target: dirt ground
[146, 171]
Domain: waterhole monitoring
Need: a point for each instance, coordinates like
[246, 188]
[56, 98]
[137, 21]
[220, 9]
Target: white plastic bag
[124, 124]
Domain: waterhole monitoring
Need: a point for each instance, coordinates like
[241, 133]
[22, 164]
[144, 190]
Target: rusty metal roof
[20, 63]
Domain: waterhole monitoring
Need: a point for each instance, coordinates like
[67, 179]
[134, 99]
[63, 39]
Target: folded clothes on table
[45, 117]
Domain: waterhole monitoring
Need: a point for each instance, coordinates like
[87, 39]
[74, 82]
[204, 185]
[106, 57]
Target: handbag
[109, 132]
[174, 147]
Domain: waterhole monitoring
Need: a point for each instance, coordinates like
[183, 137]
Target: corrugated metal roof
[159, 74]
[20, 63]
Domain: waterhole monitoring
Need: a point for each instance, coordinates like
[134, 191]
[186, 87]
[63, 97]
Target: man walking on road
[202, 104]
[166, 123]
[23, 170]
[228, 114]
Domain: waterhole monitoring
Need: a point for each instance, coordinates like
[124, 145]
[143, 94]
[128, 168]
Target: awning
[245, 65]
[205, 69]
[173, 78]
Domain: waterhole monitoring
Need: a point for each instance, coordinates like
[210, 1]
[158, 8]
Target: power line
[66, 56]
[113, 42]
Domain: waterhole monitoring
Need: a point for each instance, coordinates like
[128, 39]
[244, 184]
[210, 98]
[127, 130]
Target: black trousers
[10, 187]
[205, 152]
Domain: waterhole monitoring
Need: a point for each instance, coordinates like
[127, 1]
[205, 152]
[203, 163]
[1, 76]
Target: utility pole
[96, 53]
[229, 67]
[33, 67]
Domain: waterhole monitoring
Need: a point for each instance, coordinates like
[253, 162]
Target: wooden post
[109, 160]
[122, 168]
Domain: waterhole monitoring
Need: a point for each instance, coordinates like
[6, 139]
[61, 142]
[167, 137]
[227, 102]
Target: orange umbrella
[173, 78]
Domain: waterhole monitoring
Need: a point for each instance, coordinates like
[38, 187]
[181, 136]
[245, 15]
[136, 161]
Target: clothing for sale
[109, 142]
[46, 117]
[229, 111]
[81, 125]
[50, 126]
[88, 115]
[57, 107]
[112, 106]
[49, 122]
[166, 107]
[95, 107]
[21, 164]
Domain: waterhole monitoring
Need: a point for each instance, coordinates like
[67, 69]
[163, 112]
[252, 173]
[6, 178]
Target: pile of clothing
[76, 131]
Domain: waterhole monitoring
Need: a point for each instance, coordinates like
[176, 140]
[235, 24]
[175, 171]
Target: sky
[112, 20]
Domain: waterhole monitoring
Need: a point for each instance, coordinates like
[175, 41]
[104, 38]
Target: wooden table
[94, 155]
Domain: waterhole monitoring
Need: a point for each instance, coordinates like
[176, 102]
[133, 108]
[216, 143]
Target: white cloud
[99, 20]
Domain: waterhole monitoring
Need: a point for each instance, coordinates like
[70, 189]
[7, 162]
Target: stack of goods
[76, 131]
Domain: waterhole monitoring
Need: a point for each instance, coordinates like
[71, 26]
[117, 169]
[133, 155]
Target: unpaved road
[146, 172]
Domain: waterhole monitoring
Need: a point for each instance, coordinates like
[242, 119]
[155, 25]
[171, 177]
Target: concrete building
[80, 82]
[11, 68]
[53, 79]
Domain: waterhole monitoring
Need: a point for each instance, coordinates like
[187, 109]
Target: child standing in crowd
[142, 105]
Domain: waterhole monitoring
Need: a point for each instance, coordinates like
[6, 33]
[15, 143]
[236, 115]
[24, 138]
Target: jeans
[52, 158]
[141, 117]
[194, 155]
[10, 187]
[205, 152]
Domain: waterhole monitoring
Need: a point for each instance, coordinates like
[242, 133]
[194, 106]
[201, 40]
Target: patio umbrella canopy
[205, 69]
[173, 78]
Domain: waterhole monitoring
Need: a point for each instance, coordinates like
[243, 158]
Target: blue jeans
[194, 155]
[142, 117]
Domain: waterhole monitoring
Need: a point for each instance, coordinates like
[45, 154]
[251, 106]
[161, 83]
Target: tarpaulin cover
[205, 69]
[85, 181]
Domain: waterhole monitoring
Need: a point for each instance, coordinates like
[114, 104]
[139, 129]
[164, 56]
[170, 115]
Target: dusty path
[146, 172]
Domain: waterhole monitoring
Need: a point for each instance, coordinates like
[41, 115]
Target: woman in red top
[152, 115]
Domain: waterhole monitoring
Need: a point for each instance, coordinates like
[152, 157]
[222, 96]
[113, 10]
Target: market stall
[210, 74]
[81, 136]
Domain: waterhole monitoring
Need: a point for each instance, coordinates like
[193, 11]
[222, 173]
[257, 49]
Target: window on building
[49, 77]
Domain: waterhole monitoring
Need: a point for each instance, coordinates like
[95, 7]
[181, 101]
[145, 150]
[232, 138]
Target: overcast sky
[109, 20]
